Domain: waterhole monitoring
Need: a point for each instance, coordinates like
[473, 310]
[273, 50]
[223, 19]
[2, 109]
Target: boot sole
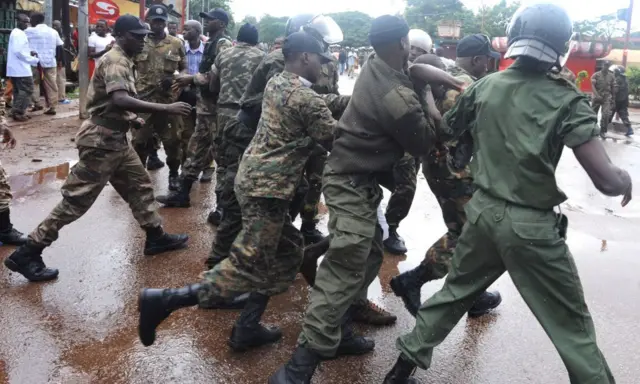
[16, 243]
[237, 347]
[12, 266]
[146, 341]
[167, 248]
[475, 314]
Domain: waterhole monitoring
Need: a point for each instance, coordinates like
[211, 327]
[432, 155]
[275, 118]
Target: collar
[293, 76]
[200, 48]
[305, 82]
[456, 70]
[116, 49]
[166, 40]
[385, 69]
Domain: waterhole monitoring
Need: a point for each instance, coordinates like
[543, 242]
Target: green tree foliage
[271, 27]
[604, 27]
[197, 6]
[633, 77]
[494, 19]
[355, 27]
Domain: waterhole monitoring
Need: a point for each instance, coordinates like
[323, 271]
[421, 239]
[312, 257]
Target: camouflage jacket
[605, 83]
[568, 74]
[234, 68]
[294, 120]
[440, 163]
[157, 64]
[205, 99]
[114, 72]
[622, 88]
[273, 64]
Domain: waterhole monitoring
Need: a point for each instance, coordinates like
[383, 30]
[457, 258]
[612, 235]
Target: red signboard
[103, 9]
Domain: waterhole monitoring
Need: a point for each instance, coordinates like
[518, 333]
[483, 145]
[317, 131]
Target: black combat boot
[299, 369]
[407, 286]
[179, 198]
[352, 344]
[312, 253]
[159, 241]
[401, 372]
[394, 243]
[310, 233]
[207, 175]
[215, 217]
[174, 180]
[247, 332]
[27, 261]
[485, 303]
[153, 161]
[155, 305]
[8, 234]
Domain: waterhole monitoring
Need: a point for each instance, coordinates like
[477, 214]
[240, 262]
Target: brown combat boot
[366, 312]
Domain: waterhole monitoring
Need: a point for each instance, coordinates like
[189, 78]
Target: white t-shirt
[100, 43]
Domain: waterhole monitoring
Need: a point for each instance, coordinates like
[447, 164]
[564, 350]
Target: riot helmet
[421, 39]
[543, 32]
[322, 27]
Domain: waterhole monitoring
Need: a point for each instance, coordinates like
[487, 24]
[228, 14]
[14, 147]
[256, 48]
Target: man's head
[22, 21]
[277, 43]
[101, 28]
[389, 38]
[130, 33]
[605, 66]
[172, 27]
[248, 34]
[420, 42]
[37, 18]
[473, 53]
[304, 55]
[57, 25]
[440, 52]
[216, 20]
[157, 16]
[192, 30]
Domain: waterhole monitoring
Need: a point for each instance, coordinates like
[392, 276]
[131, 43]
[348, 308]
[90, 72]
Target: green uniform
[201, 145]
[384, 120]
[405, 177]
[511, 225]
[622, 100]
[234, 68]
[156, 66]
[104, 155]
[266, 254]
[5, 188]
[605, 85]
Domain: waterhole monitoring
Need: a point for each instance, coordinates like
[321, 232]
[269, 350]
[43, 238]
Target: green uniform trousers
[405, 176]
[264, 258]
[525, 242]
[313, 174]
[224, 116]
[88, 177]
[352, 262]
[201, 147]
[166, 128]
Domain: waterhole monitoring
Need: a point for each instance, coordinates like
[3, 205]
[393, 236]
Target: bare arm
[122, 100]
[432, 75]
[606, 177]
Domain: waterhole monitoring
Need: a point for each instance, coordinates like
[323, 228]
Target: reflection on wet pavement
[82, 327]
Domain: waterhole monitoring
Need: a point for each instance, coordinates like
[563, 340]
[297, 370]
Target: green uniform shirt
[294, 118]
[157, 61]
[520, 121]
[235, 67]
[114, 72]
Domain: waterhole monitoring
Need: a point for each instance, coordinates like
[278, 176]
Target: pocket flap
[173, 57]
[351, 224]
[535, 231]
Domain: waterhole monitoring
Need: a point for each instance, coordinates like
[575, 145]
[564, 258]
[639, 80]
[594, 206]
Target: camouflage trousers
[405, 173]
[201, 146]
[452, 195]
[607, 103]
[622, 109]
[313, 175]
[224, 116]
[88, 177]
[166, 128]
[264, 258]
[185, 132]
[5, 191]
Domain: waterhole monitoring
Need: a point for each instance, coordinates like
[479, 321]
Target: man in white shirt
[20, 58]
[44, 40]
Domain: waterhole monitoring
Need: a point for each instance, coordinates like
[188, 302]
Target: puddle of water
[28, 183]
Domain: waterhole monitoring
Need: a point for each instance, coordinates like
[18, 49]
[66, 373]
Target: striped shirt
[194, 57]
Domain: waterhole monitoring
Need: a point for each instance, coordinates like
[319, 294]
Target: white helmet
[421, 39]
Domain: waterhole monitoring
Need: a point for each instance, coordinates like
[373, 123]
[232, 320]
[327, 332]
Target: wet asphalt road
[82, 327]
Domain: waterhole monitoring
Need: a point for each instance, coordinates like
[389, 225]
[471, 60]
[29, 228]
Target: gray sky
[577, 9]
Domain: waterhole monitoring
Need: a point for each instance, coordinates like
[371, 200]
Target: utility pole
[48, 12]
[83, 55]
[143, 9]
[627, 35]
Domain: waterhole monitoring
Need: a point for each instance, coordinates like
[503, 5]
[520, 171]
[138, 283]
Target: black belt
[235, 106]
[113, 124]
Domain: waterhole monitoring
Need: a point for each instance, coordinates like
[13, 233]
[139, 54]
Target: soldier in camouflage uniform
[266, 255]
[161, 57]
[604, 90]
[106, 157]
[622, 98]
[449, 178]
[8, 234]
[206, 130]
[232, 72]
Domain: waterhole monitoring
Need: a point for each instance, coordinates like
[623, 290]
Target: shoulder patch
[561, 80]
[399, 101]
